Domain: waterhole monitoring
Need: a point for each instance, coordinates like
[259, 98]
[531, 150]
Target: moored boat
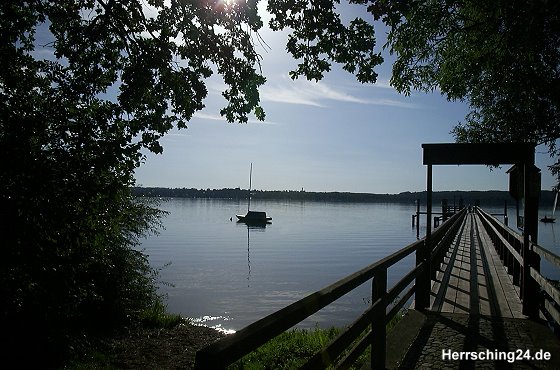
[548, 220]
[253, 217]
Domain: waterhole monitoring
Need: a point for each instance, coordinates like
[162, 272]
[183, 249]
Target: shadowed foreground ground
[173, 348]
[419, 339]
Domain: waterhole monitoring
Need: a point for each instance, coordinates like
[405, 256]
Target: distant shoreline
[490, 197]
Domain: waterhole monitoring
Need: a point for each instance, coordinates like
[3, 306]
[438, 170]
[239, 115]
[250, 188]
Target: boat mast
[250, 179]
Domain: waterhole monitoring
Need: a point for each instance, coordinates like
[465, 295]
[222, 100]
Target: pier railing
[509, 246]
[385, 306]
[549, 299]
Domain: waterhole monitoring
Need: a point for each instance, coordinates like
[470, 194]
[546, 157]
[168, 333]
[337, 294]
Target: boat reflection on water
[219, 322]
[258, 227]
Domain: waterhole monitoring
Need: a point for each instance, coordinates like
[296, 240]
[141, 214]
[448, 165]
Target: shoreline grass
[288, 350]
[294, 347]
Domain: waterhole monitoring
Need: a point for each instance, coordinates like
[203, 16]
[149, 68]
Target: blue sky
[335, 135]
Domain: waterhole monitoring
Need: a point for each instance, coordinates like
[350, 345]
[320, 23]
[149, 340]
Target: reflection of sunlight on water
[209, 320]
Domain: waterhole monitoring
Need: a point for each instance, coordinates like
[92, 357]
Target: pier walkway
[473, 279]
[474, 307]
[479, 300]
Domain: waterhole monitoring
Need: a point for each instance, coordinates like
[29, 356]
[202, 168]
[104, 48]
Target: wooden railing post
[378, 324]
[417, 218]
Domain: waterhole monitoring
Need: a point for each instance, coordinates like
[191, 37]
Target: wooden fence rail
[509, 246]
[232, 347]
[549, 301]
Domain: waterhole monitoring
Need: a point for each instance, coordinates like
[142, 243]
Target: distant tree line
[492, 197]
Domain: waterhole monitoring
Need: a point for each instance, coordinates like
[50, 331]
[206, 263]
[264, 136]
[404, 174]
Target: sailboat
[253, 217]
[548, 220]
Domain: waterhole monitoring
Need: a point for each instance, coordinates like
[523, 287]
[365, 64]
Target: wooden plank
[449, 296]
[462, 301]
[498, 300]
[507, 302]
[484, 300]
[476, 281]
[444, 292]
[474, 276]
[463, 288]
[436, 286]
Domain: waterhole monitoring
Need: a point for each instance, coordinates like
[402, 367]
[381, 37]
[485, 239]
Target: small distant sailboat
[548, 220]
[253, 217]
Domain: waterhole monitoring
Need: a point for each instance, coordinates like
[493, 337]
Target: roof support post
[423, 252]
[529, 287]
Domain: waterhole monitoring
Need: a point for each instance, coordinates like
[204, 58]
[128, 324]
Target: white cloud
[393, 103]
[305, 92]
[177, 135]
[212, 117]
[217, 117]
[383, 84]
[290, 95]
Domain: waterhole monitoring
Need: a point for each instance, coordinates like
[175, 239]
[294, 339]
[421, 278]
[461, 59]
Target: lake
[227, 275]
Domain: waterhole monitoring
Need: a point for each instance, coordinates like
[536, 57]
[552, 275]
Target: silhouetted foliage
[85, 86]
[502, 57]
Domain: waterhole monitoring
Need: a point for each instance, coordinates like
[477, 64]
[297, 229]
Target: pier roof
[479, 153]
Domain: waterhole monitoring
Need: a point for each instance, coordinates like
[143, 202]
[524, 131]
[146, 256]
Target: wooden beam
[479, 153]
[548, 255]
[549, 288]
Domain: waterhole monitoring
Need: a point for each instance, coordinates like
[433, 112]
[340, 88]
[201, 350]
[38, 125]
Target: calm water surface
[227, 275]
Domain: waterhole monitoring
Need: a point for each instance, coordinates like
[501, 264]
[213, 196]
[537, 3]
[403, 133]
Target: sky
[335, 135]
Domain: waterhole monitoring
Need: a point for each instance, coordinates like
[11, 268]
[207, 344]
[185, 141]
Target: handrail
[443, 237]
[233, 347]
[498, 232]
[505, 230]
[507, 243]
[549, 302]
[546, 254]
[339, 344]
[550, 294]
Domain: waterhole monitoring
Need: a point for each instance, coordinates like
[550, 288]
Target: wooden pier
[475, 306]
[473, 279]
[476, 287]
